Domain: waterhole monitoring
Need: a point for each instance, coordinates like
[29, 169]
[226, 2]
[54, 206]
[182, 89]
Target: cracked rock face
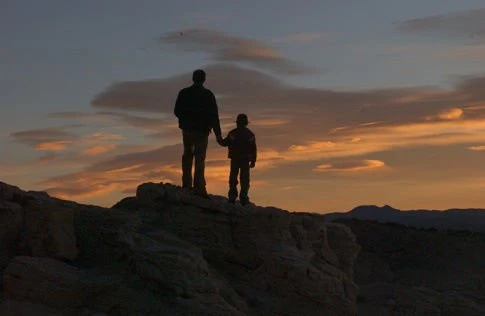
[409, 271]
[165, 252]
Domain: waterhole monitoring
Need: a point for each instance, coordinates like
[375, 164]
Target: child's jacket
[242, 144]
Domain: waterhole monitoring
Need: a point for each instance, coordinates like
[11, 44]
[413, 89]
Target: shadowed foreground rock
[409, 271]
[164, 252]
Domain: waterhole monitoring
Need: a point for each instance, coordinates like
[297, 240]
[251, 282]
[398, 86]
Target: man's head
[242, 120]
[198, 76]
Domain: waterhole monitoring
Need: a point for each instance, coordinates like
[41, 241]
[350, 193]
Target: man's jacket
[196, 110]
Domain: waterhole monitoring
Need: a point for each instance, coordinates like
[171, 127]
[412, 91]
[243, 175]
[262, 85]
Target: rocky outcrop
[166, 252]
[32, 223]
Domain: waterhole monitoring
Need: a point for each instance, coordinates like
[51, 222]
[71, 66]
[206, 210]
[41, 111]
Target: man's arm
[178, 105]
[214, 116]
[228, 140]
[254, 150]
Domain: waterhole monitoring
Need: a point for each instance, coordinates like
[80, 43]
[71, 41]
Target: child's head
[242, 120]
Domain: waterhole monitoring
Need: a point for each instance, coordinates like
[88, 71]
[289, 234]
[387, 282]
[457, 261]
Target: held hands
[219, 139]
[252, 164]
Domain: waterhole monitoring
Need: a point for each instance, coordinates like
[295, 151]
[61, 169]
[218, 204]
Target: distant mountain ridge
[456, 219]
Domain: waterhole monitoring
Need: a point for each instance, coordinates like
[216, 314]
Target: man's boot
[202, 192]
[244, 200]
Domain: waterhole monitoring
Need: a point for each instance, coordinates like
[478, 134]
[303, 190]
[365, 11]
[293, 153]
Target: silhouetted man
[197, 113]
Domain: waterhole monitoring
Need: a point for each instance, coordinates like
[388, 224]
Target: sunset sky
[352, 102]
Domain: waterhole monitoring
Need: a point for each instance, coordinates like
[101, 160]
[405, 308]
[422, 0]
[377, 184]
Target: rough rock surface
[408, 271]
[165, 252]
[32, 223]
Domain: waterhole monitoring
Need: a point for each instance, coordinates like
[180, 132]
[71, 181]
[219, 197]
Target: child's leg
[244, 177]
[233, 181]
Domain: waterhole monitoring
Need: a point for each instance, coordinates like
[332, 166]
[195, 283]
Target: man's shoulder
[208, 91]
[185, 90]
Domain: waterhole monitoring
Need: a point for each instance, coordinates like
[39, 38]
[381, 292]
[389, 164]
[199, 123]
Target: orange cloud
[98, 150]
[364, 140]
[100, 136]
[57, 139]
[420, 95]
[86, 185]
[52, 146]
[290, 187]
[351, 166]
[478, 106]
[122, 172]
[269, 122]
[338, 129]
[451, 114]
[96, 190]
[45, 137]
[369, 123]
[448, 114]
[477, 148]
[312, 147]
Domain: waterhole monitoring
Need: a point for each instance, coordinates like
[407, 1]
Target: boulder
[53, 284]
[50, 231]
[35, 224]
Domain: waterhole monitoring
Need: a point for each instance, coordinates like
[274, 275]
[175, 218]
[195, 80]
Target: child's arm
[226, 141]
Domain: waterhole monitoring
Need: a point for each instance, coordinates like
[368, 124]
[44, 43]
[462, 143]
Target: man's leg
[200, 153]
[187, 158]
[232, 195]
[243, 196]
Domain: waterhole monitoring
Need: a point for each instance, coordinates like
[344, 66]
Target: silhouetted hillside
[411, 271]
[456, 219]
[168, 252]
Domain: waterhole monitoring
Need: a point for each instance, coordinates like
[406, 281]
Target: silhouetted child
[242, 152]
